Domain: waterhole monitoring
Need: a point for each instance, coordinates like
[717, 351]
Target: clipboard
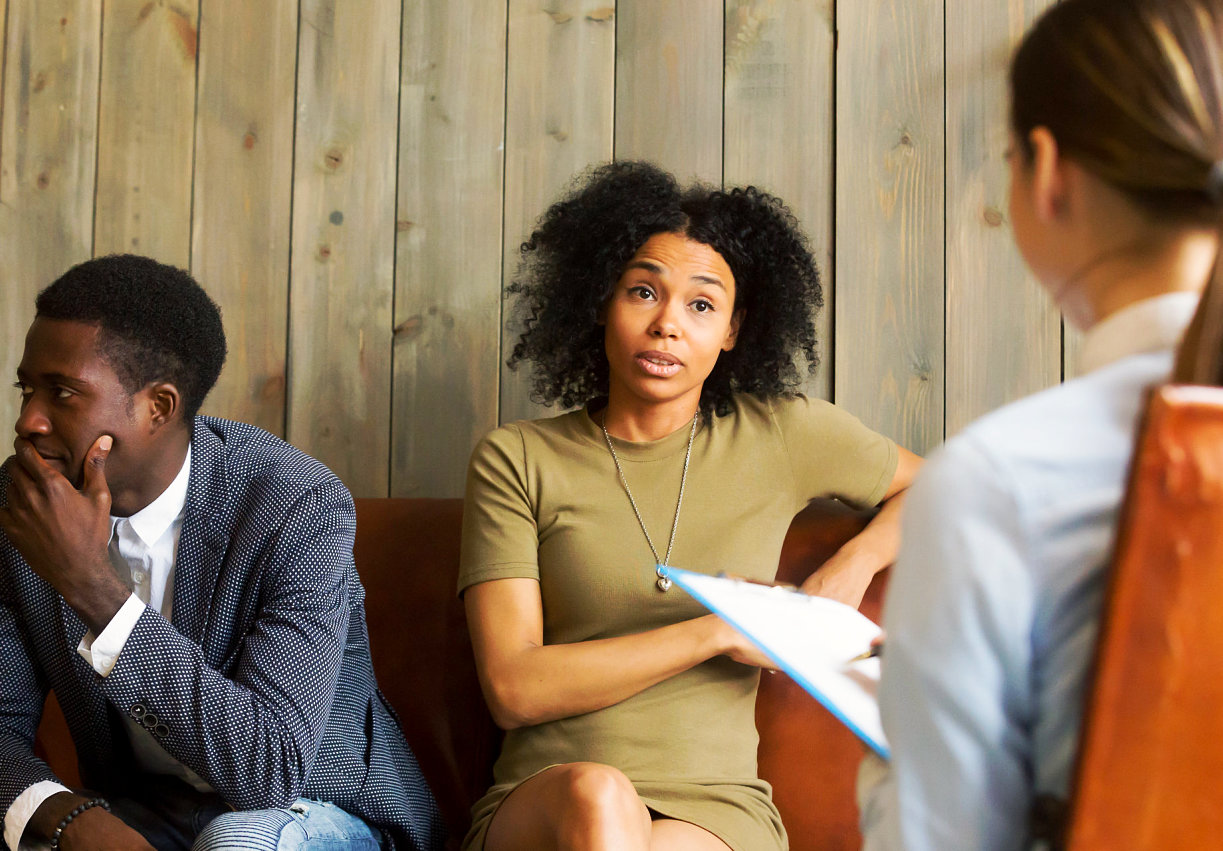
[813, 639]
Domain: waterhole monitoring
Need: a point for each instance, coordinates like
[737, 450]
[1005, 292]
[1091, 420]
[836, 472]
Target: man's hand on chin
[63, 533]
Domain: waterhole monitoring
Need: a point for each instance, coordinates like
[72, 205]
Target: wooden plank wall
[889, 303]
[984, 300]
[352, 181]
[242, 194]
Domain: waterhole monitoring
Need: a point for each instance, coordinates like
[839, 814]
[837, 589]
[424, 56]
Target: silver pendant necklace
[663, 583]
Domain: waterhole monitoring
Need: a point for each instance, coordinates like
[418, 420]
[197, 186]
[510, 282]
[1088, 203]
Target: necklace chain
[663, 582]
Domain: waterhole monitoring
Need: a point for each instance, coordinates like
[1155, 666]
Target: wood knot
[403, 226]
[333, 159]
[409, 328]
[601, 15]
[324, 253]
[993, 217]
[248, 141]
[40, 83]
[560, 17]
[43, 180]
[188, 36]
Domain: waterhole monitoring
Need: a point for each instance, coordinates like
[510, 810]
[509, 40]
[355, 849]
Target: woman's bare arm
[527, 682]
[848, 574]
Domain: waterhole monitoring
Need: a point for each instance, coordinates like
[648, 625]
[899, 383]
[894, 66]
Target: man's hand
[93, 830]
[63, 533]
[97, 830]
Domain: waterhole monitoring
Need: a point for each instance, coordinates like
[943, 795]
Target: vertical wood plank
[342, 267]
[146, 129]
[889, 207]
[48, 146]
[779, 124]
[243, 188]
[3, 45]
[1003, 333]
[552, 132]
[448, 267]
[669, 85]
[1072, 350]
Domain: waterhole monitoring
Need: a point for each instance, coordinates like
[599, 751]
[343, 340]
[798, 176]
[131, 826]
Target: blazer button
[149, 720]
[161, 731]
[137, 711]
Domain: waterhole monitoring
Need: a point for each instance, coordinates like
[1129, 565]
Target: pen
[873, 652]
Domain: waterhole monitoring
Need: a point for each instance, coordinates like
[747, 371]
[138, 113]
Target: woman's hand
[840, 581]
[846, 576]
[736, 646]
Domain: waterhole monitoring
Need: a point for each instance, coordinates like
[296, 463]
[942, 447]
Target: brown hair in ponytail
[1133, 92]
[1200, 359]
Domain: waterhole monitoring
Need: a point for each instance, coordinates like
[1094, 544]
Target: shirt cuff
[103, 652]
[23, 809]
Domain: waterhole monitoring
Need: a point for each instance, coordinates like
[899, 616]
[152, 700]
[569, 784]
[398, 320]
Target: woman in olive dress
[677, 320]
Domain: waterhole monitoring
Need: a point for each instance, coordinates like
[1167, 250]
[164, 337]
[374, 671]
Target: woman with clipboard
[1116, 164]
[674, 318]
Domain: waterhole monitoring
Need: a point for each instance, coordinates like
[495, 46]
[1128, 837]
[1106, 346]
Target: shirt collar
[152, 521]
[1153, 324]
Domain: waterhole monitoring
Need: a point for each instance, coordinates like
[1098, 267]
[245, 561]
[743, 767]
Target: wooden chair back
[1151, 755]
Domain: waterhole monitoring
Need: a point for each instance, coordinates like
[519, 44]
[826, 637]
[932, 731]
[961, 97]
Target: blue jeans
[305, 826]
[174, 817]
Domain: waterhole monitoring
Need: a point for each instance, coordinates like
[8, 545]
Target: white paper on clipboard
[812, 639]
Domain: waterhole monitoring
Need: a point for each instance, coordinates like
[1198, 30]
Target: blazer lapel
[201, 545]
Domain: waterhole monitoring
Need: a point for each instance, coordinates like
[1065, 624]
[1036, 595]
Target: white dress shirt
[142, 549]
[995, 598]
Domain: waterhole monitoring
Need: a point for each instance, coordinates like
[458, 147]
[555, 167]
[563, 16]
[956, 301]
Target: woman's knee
[593, 792]
[595, 783]
[579, 805]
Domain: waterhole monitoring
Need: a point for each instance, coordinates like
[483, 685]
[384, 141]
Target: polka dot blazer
[261, 682]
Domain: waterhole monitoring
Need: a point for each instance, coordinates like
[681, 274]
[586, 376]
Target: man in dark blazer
[186, 586]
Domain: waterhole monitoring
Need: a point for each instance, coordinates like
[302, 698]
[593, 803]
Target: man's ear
[165, 403]
[732, 336]
[1049, 178]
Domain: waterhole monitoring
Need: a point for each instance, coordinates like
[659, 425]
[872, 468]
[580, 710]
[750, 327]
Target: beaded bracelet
[76, 811]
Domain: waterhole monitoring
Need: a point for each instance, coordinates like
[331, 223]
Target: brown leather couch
[407, 555]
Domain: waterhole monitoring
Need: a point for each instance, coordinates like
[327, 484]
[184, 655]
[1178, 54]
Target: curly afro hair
[582, 244]
[157, 323]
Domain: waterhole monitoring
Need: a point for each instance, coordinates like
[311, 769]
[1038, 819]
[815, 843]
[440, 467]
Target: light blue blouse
[992, 609]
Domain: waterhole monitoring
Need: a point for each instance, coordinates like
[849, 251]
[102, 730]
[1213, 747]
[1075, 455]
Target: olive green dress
[544, 502]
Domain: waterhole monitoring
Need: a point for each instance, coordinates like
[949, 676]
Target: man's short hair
[156, 323]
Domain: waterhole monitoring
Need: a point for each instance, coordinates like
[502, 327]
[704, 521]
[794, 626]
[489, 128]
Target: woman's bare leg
[669, 834]
[581, 806]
